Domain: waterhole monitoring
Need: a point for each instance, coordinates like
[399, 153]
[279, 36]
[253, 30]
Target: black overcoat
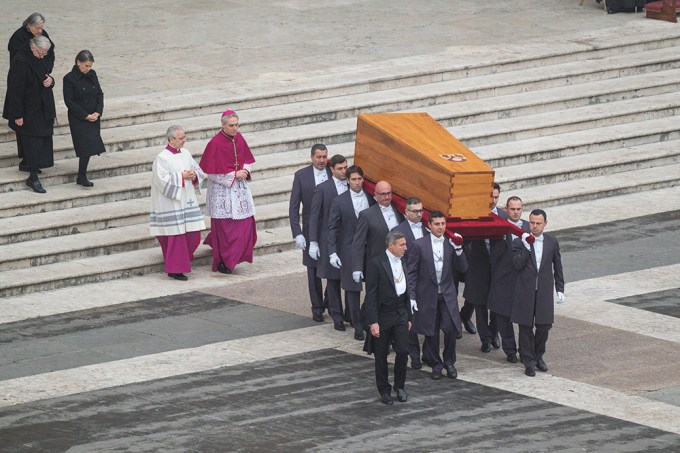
[322, 198]
[503, 274]
[342, 222]
[27, 98]
[422, 284]
[369, 236]
[83, 96]
[533, 298]
[19, 41]
[304, 184]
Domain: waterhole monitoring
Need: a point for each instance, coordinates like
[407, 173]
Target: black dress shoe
[84, 182]
[221, 268]
[541, 365]
[495, 343]
[386, 398]
[530, 372]
[437, 375]
[486, 347]
[401, 395]
[469, 326]
[416, 364]
[451, 372]
[181, 277]
[36, 186]
[512, 358]
[339, 326]
[24, 167]
[318, 317]
[359, 335]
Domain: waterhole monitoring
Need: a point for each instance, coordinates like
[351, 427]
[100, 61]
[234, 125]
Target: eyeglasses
[415, 211]
[383, 194]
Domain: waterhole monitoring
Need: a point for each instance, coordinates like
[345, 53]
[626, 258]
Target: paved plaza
[235, 363]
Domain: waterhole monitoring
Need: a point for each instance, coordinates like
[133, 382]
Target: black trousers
[334, 300]
[532, 344]
[352, 303]
[466, 311]
[487, 328]
[507, 331]
[413, 347]
[397, 335]
[444, 323]
[315, 291]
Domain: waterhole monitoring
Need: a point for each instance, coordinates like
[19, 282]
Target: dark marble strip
[663, 302]
[317, 401]
[617, 247]
[133, 329]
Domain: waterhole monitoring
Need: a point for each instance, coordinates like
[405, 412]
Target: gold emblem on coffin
[453, 157]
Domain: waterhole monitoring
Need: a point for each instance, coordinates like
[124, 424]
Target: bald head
[383, 193]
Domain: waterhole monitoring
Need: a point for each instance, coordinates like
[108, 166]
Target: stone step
[119, 265]
[585, 166]
[579, 142]
[134, 235]
[282, 116]
[574, 119]
[114, 189]
[111, 240]
[598, 187]
[116, 215]
[148, 108]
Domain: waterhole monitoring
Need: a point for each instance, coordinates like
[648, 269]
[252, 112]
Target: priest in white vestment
[176, 219]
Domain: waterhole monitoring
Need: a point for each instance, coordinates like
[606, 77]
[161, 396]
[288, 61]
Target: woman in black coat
[85, 102]
[29, 107]
[33, 26]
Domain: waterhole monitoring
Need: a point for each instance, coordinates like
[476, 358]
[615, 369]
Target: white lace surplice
[229, 199]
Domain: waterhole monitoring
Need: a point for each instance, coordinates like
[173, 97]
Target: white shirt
[341, 186]
[359, 201]
[438, 256]
[416, 228]
[397, 273]
[389, 216]
[320, 176]
[538, 251]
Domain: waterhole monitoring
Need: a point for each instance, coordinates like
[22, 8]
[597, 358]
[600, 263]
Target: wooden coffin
[420, 158]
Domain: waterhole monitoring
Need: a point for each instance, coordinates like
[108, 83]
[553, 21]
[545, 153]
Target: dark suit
[533, 299]
[322, 199]
[413, 342]
[392, 312]
[342, 221]
[503, 279]
[436, 310]
[369, 236]
[303, 188]
[468, 306]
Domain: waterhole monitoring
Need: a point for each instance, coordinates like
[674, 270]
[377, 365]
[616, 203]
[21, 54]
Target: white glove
[300, 242]
[357, 276]
[560, 298]
[414, 306]
[524, 241]
[314, 250]
[335, 261]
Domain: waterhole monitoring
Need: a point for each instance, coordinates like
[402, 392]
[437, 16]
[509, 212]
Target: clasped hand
[188, 174]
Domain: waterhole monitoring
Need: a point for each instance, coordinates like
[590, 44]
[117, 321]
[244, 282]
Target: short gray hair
[393, 236]
[41, 42]
[172, 131]
[34, 19]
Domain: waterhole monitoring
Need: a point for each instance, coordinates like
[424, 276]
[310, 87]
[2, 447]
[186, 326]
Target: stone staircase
[558, 127]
